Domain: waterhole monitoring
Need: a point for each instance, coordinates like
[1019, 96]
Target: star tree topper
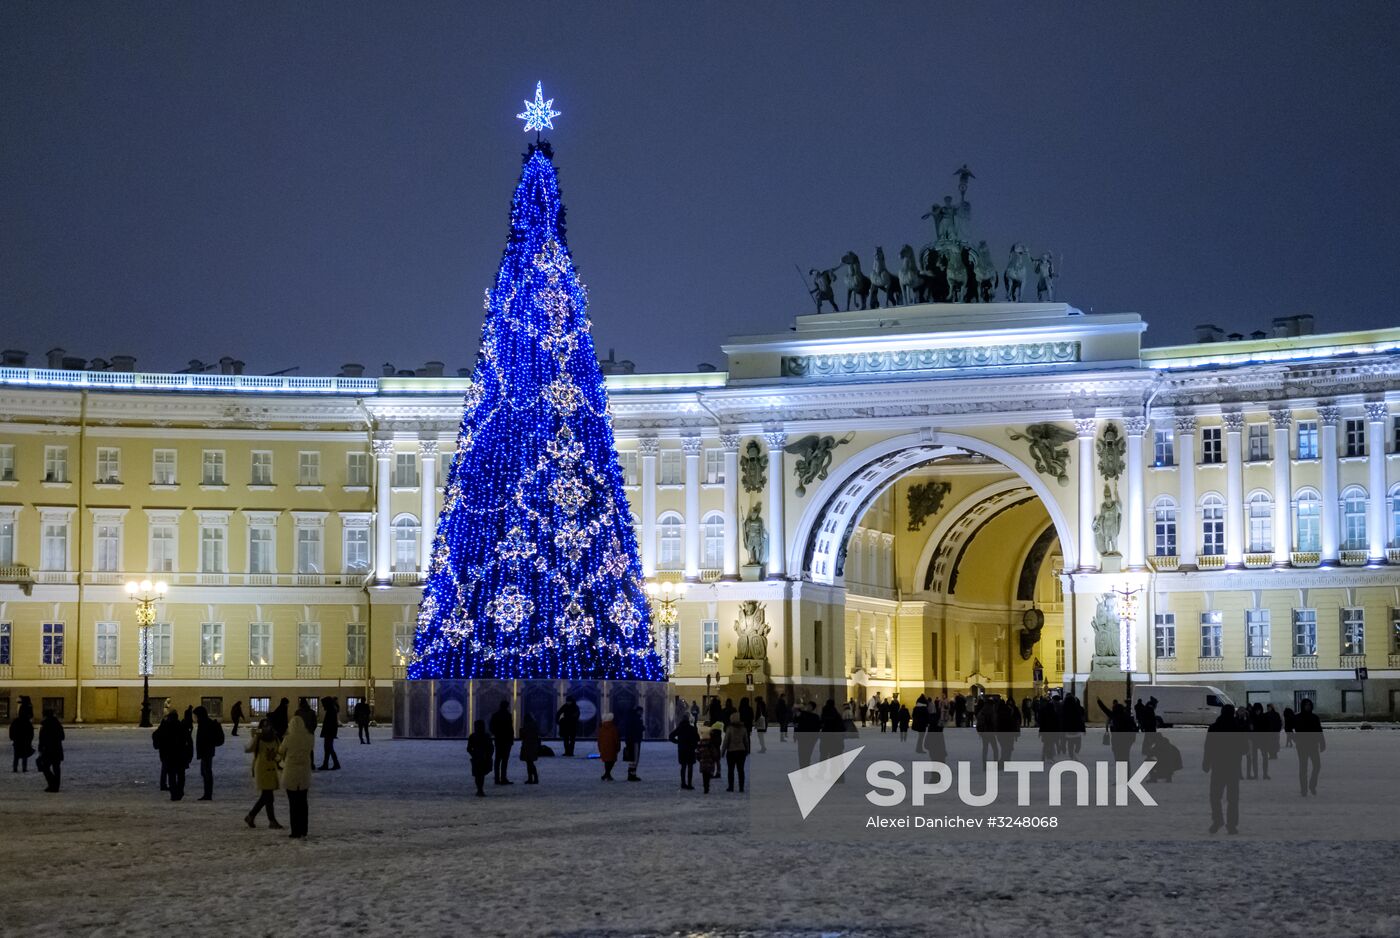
[539, 113]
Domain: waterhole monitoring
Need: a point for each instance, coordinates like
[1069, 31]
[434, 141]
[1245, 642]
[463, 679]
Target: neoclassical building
[1006, 497]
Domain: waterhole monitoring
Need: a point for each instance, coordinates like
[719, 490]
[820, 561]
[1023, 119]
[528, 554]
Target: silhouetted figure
[208, 736]
[609, 744]
[172, 740]
[567, 718]
[1051, 739]
[960, 711]
[760, 723]
[1164, 755]
[298, 751]
[807, 730]
[736, 750]
[918, 722]
[330, 729]
[707, 754]
[783, 713]
[480, 749]
[22, 735]
[236, 715]
[903, 719]
[984, 719]
[278, 718]
[1223, 751]
[746, 714]
[50, 760]
[1008, 727]
[632, 732]
[1307, 739]
[1074, 723]
[530, 748]
[833, 730]
[360, 714]
[687, 740]
[266, 762]
[1290, 724]
[934, 746]
[716, 714]
[503, 733]
[1122, 730]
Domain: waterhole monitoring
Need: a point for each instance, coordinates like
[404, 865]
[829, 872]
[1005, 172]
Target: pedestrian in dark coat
[632, 733]
[278, 718]
[783, 712]
[760, 723]
[330, 729]
[503, 734]
[298, 752]
[1290, 722]
[687, 740]
[530, 748]
[22, 735]
[172, 740]
[208, 736]
[934, 746]
[567, 718]
[1307, 740]
[833, 730]
[50, 760]
[1122, 729]
[1074, 724]
[807, 728]
[746, 714]
[480, 749]
[707, 754]
[236, 715]
[361, 717]
[609, 743]
[1224, 749]
[903, 723]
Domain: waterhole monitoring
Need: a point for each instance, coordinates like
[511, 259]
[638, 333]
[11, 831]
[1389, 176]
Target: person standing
[22, 735]
[918, 722]
[746, 714]
[479, 751]
[236, 715]
[633, 732]
[360, 714]
[784, 715]
[1223, 751]
[760, 723]
[1073, 724]
[298, 752]
[1307, 740]
[530, 748]
[503, 734]
[707, 754]
[807, 730]
[903, 723]
[172, 740]
[736, 750]
[208, 736]
[50, 760]
[833, 730]
[609, 742]
[266, 762]
[687, 740]
[330, 729]
[567, 719]
[278, 718]
[934, 746]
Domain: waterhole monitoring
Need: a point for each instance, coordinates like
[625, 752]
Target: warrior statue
[756, 536]
[752, 628]
[947, 219]
[1105, 624]
[821, 289]
[1045, 274]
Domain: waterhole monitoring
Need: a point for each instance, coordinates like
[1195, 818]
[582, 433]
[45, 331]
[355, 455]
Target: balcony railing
[1164, 562]
[1255, 561]
[53, 672]
[1305, 558]
[309, 672]
[1353, 558]
[14, 573]
[6, 672]
[354, 673]
[259, 672]
[55, 577]
[1210, 562]
[163, 670]
[406, 578]
[1393, 660]
[1353, 661]
[1166, 665]
[1210, 663]
[399, 672]
[106, 671]
[1392, 555]
[207, 579]
[1305, 662]
[1257, 663]
[710, 576]
[211, 672]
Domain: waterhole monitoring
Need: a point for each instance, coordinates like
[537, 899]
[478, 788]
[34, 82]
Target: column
[1088, 556]
[427, 481]
[1136, 429]
[1328, 416]
[647, 447]
[1234, 490]
[730, 442]
[1283, 487]
[1377, 415]
[692, 446]
[777, 542]
[1186, 479]
[383, 487]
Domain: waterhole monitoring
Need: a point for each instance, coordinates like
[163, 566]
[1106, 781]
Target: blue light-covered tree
[534, 570]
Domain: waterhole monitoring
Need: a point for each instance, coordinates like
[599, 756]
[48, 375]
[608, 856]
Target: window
[104, 644]
[356, 644]
[1211, 629]
[261, 469]
[670, 467]
[163, 467]
[162, 644]
[1059, 656]
[1353, 631]
[405, 543]
[259, 706]
[214, 706]
[1395, 435]
[406, 470]
[1164, 527]
[714, 466]
[1307, 520]
[51, 647]
[211, 644]
[54, 552]
[1212, 525]
[1164, 634]
[1307, 439]
[1354, 518]
[1394, 634]
[163, 548]
[259, 643]
[709, 638]
[1394, 521]
[107, 547]
[627, 462]
[7, 541]
[403, 643]
[712, 534]
[55, 464]
[1261, 523]
[357, 550]
[212, 556]
[357, 470]
[7, 462]
[308, 644]
[5, 658]
[1258, 442]
[1354, 437]
[262, 548]
[1256, 633]
[54, 705]
[817, 644]
[1210, 446]
[109, 465]
[1163, 448]
[308, 468]
[1304, 632]
[212, 472]
[669, 534]
[310, 552]
[445, 466]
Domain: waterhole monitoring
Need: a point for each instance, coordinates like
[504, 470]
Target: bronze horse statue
[858, 286]
[882, 281]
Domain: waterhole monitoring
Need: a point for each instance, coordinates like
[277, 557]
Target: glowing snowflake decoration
[624, 615]
[539, 114]
[516, 546]
[568, 494]
[510, 608]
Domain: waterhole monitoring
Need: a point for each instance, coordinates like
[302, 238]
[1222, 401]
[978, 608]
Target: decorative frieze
[928, 359]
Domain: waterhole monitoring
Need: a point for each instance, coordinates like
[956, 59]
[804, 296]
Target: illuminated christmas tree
[534, 570]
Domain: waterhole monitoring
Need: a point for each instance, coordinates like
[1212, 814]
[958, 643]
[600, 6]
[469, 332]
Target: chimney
[405, 373]
[1303, 324]
[705, 368]
[124, 363]
[1236, 336]
[1209, 332]
[98, 364]
[225, 365]
[56, 357]
[388, 370]
[351, 370]
[1258, 334]
[431, 370]
[73, 363]
[464, 372]
[195, 367]
[14, 358]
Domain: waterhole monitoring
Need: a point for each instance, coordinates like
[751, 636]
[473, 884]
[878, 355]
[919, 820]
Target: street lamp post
[665, 605]
[1127, 601]
[146, 594]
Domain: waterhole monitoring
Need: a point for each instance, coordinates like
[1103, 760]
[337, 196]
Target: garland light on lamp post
[665, 603]
[146, 594]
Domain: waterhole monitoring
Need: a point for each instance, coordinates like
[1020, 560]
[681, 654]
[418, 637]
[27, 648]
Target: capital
[776, 440]
[383, 448]
[1135, 426]
[648, 446]
[692, 445]
[1234, 421]
[1185, 423]
[428, 449]
[1377, 410]
[1329, 414]
[730, 442]
[1283, 419]
[1086, 427]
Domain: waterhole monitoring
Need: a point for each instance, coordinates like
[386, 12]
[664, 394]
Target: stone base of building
[447, 709]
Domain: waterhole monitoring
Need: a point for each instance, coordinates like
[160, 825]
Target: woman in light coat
[263, 746]
[299, 757]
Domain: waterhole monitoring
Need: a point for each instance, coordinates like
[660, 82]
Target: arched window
[1212, 525]
[1164, 527]
[405, 543]
[1261, 523]
[1307, 520]
[1395, 516]
[670, 533]
[712, 534]
[1354, 518]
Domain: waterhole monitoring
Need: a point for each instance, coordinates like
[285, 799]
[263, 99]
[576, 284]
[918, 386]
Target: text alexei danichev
[956, 821]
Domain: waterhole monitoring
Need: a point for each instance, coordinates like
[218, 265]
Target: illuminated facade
[933, 497]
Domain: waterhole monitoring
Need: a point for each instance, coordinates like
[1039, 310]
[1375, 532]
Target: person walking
[567, 719]
[1307, 740]
[609, 742]
[22, 735]
[266, 762]
[208, 736]
[746, 714]
[934, 745]
[687, 740]
[833, 731]
[807, 730]
[298, 752]
[278, 718]
[530, 748]
[1073, 724]
[1223, 751]
[50, 760]
[479, 751]
[903, 723]
[760, 723]
[707, 754]
[784, 714]
[918, 722]
[330, 729]
[632, 733]
[172, 740]
[736, 750]
[503, 734]
[360, 714]
[236, 715]
[1122, 729]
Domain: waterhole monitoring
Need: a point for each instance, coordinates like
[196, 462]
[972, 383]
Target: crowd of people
[50, 744]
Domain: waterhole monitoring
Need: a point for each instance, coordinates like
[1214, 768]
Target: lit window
[714, 466]
[212, 472]
[627, 462]
[1210, 446]
[712, 531]
[163, 548]
[51, 643]
[1212, 525]
[669, 537]
[1211, 634]
[1256, 626]
[357, 469]
[308, 644]
[262, 549]
[7, 462]
[109, 465]
[406, 543]
[406, 470]
[211, 644]
[1164, 634]
[709, 637]
[163, 467]
[54, 549]
[1354, 518]
[261, 469]
[403, 643]
[1353, 631]
[1305, 632]
[259, 644]
[212, 557]
[1261, 523]
[1164, 527]
[104, 648]
[670, 467]
[357, 550]
[310, 554]
[356, 644]
[107, 549]
[1307, 439]
[1163, 448]
[1307, 521]
[308, 468]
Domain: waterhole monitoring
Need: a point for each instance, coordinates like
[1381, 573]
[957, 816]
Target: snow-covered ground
[398, 847]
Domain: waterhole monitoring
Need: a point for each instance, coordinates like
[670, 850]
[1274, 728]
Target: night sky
[306, 184]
